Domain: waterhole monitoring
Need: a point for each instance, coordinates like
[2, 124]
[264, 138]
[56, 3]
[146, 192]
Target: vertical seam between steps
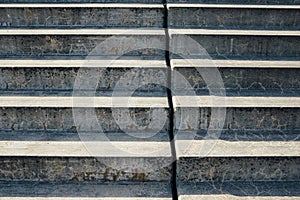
[171, 108]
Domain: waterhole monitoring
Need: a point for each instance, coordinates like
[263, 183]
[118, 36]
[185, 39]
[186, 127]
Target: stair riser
[77, 45]
[61, 119]
[238, 169]
[243, 81]
[60, 81]
[84, 169]
[248, 46]
[234, 18]
[267, 2]
[80, 17]
[241, 119]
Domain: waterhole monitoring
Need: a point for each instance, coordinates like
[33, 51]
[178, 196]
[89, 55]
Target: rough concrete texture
[238, 169]
[233, 18]
[263, 2]
[84, 169]
[75, 45]
[243, 81]
[81, 17]
[61, 119]
[253, 47]
[60, 81]
[241, 119]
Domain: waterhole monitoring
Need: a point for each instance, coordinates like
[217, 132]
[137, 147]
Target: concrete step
[58, 77]
[239, 77]
[213, 157]
[85, 161]
[81, 15]
[281, 190]
[143, 115]
[88, 191]
[232, 16]
[259, 2]
[62, 43]
[222, 161]
[238, 44]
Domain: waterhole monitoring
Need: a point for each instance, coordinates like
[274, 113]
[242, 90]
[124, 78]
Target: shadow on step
[240, 189]
[84, 189]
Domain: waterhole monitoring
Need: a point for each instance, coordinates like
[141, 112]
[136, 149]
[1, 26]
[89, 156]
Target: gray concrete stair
[243, 44]
[256, 148]
[65, 134]
[77, 44]
[232, 16]
[240, 77]
[102, 15]
[95, 157]
[57, 77]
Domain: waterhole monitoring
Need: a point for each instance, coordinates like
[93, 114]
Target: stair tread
[221, 148]
[81, 5]
[111, 31]
[102, 102]
[234, 63]
[245, 102]
[133, 63]
[83, 149]
[246, 6]
[197, 31]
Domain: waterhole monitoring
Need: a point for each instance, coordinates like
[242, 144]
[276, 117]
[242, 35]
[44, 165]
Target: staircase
[107, 99]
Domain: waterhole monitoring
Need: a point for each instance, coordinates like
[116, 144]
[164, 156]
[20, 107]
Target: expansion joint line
[170, 101]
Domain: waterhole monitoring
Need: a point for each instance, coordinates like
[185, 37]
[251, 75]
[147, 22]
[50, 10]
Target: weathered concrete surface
[56, 114]
[84, 169]
[283, 190]
[32, 44]
[223, 44]
[233, 18]
[238, 169]
[244, 81]
[245, 118]
[93, 190]
[263, 2]
[83, 15]
[61, 119]
[242, 119]
[60, 80]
